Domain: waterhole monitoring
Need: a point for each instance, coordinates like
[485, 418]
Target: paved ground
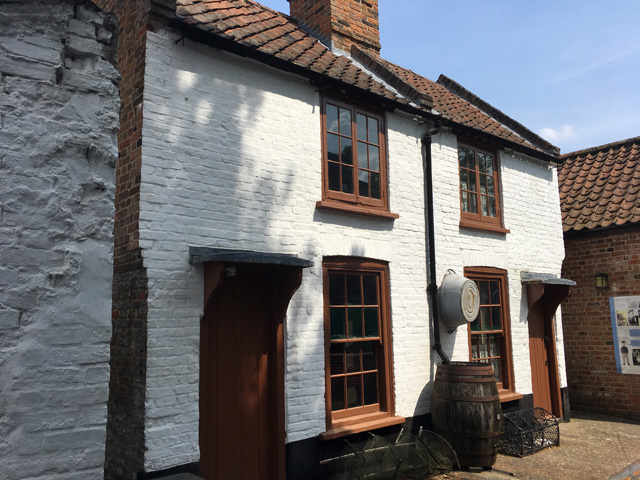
[592, 447]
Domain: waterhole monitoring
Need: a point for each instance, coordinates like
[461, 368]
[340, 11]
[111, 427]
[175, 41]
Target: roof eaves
[537, 141]
[225, 42]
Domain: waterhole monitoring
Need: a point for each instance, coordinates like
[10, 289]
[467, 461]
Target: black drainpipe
[430, 237]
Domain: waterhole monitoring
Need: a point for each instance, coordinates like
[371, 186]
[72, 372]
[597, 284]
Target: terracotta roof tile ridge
[600, 148]
[533, 138]
[375, 64]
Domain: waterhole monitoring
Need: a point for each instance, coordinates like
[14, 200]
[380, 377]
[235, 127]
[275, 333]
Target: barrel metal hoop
[488, 379]
[456, 398]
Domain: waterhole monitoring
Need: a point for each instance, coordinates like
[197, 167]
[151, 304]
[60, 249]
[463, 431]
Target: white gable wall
[232, 158]
[531, 211]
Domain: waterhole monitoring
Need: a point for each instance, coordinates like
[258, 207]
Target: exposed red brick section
[340, 23]
[600, 186]
[124, 456]
[591, 367]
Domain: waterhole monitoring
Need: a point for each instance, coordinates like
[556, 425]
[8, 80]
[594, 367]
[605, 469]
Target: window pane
[336, 289]
[362, 127]
[347, 179]
[337, 323]
[484, 292]
[332, 118]
[464, 179]
[337, 358]
[333, 147]
[354, 391]
[371, 322]
[473, 203]
[471, 160]
[370, 290]
[490, 186]
[373, 130]
[353, 357]
[363, 183]
[462, 157]
[362, 155]
[495, 346]
[370, 388]
[334, 177]
[347, 154]
[492, 206]
[465, 201]
[345, 122]
[475, 325]
[497, 370]
[374, 158]
[375, 185]
[483, 347]
[355, 322]
[368, 356]
[489, 164]
[337, 393]
[482, 162]
[494, 287]
[483, 184]
[472, 181]
[495, 318]
[354, 295]
[485, 210]
[485, 319]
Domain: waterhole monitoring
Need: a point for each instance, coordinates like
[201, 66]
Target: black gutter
[430, 238]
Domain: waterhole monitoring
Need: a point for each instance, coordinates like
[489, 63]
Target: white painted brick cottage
[272, 250]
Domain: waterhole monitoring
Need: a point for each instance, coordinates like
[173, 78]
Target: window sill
[355, 209]
[477, 225]
[364, 426]
[507, 396]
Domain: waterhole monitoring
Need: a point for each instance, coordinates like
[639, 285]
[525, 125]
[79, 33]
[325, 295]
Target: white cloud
[556, 134]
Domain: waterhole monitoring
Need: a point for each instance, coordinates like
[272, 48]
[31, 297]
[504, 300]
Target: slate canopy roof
[249, 28]
[600, 186]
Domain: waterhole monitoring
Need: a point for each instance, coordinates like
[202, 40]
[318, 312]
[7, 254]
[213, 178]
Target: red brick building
[600, 198]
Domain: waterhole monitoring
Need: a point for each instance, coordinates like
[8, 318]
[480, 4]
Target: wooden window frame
[354, 202]
[506, 387]
[358, 419]
[478, 220]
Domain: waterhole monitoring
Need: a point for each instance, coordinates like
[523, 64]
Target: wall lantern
[602, 280]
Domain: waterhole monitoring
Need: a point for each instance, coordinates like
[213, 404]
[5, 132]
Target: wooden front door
[241, 429]
[539, 350]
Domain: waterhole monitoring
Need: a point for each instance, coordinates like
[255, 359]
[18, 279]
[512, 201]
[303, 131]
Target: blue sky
[567, 69]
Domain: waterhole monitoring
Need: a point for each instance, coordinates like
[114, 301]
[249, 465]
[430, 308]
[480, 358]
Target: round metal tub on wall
[466, 411]
[459, 300]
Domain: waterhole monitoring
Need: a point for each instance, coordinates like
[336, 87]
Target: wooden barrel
[466, 411]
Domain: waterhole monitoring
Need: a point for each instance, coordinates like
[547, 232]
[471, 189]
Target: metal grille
[528, 431]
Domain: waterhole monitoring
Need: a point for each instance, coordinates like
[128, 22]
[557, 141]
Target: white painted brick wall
[58, 149]
[531, 209]
[232, 158]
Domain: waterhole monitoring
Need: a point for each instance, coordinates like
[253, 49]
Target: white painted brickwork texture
[531, 209]
[58, 122]
[232, 158]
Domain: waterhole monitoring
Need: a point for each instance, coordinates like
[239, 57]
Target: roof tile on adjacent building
[600, 186]
[257, 27]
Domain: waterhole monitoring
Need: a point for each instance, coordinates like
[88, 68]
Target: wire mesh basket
[528, 431]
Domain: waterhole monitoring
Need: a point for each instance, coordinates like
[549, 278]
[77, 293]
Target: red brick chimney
[340, 23]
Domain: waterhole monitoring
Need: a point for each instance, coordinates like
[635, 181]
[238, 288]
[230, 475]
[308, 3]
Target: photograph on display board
[625, 313]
